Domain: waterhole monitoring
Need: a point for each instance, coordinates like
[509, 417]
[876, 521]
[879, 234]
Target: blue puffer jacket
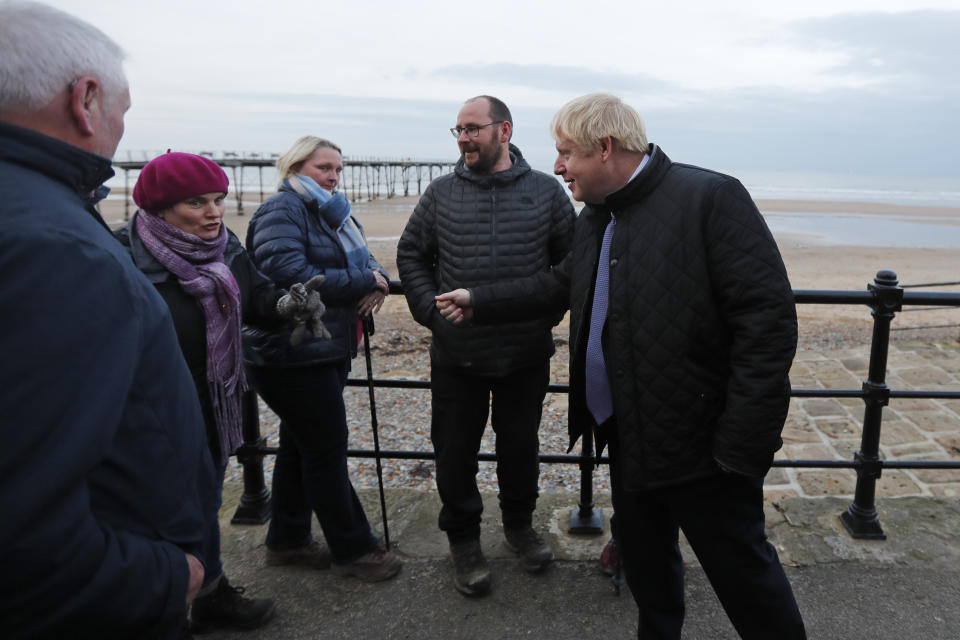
[289, 242]
[103, 440]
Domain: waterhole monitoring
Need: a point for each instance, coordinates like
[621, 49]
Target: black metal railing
[885, 297]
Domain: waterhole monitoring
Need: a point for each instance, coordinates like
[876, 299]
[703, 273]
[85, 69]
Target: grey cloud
[922, 45]
[841, 130]
[881, 129]
[361, 108]
[554, 77]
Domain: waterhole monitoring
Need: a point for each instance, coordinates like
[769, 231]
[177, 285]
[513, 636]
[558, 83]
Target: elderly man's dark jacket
[471, 229]
[701, 328]
[103, 445]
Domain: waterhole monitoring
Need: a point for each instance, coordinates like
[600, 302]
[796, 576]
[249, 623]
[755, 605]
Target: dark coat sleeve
[524, 298]
[757, 307]
[543, 292]
[416, 261]
[261, 295]
[64, 547]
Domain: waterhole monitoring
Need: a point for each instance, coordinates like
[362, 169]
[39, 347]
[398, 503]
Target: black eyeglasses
[472, 130]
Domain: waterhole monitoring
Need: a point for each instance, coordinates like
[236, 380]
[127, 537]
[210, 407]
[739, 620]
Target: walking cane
[367, 330]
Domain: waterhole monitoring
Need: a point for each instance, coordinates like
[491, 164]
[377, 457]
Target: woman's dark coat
[290, 242]
[258, 301]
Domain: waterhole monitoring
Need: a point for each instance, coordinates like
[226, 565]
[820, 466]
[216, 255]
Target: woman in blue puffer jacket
[303, 231]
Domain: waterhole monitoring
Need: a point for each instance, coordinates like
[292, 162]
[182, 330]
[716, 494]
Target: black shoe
[471, 573]
[226, 608]
[527, 543]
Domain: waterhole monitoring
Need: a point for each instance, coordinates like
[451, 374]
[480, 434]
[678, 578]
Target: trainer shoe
[610, 558]
[471, 573]
[314, 554]
[527, 543]
[226, 608]
[375, 566]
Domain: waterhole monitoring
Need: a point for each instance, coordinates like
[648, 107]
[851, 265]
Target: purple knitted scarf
[199, 268]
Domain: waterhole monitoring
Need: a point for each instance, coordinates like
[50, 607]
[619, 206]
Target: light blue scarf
[335, 210]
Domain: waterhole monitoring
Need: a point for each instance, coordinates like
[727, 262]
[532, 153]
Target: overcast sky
[855, 86]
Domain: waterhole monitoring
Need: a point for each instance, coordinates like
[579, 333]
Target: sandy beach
[812, 263]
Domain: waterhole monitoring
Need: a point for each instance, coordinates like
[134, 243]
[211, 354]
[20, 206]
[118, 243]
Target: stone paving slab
[912, 429]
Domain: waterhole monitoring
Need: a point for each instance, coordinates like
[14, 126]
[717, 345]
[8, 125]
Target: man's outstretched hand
[455, 306]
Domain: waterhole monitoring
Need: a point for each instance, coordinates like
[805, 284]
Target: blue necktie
[599, 397]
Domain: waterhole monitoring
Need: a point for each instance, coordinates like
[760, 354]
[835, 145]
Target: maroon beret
[174, 177]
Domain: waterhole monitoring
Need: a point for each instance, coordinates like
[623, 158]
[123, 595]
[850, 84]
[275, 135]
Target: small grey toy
[304, 306]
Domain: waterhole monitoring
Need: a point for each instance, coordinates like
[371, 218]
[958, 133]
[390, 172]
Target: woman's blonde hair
[289, 163]
[587, 120]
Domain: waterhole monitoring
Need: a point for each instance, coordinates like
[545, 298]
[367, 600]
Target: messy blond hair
[587, 120]
[289, 163]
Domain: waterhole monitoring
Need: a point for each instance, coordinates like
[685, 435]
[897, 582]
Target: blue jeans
[310, 473]
[210, 550]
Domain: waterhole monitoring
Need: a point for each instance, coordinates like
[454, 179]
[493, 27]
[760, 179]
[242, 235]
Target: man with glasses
[492, 219]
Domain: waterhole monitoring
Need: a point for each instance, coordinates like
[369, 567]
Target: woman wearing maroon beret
[178, 240]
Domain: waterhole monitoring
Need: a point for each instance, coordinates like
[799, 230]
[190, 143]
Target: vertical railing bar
[861, 519]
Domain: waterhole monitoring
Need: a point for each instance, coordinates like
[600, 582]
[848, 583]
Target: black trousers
[722, 519]
[310, 473]
[461, 404]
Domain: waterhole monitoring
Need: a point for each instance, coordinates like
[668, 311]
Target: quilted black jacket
[701, 327]
[470, 229]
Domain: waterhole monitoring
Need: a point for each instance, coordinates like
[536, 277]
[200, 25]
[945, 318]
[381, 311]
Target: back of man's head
[587, 120]
[43, 50]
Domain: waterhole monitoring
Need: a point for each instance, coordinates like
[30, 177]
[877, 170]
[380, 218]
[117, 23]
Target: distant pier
[362, 178]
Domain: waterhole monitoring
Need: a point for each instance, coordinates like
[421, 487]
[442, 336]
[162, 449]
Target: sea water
[929, 232]
[845, 187]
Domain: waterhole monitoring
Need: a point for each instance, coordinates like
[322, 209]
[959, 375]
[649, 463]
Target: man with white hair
[682, 331]
[103, 436]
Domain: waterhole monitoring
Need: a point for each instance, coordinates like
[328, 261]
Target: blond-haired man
[682, 328]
